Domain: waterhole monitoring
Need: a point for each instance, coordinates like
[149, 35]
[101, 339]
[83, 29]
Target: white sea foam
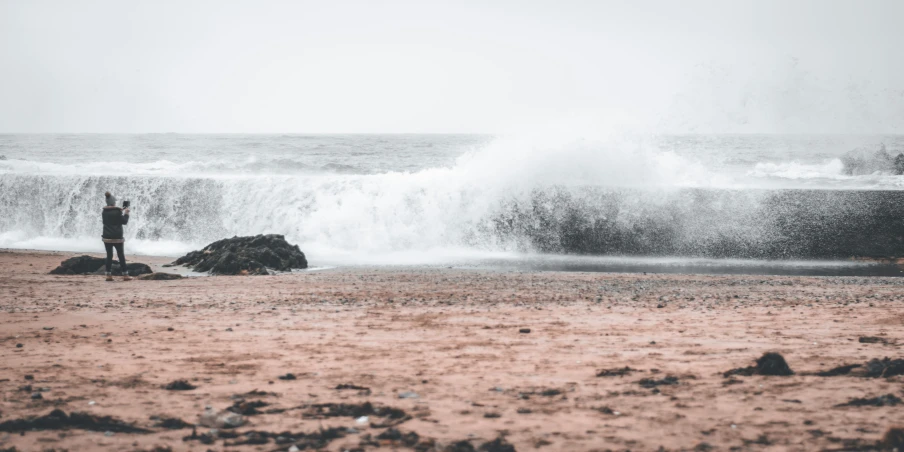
[831, 169]
[22, 240]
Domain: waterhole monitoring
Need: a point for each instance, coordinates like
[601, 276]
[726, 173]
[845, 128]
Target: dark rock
[172, 423]
[773, 364]
[80, 265]
[770, 363]
[886, 400]
[160, 277]
[251, 255]
[87, 265]
[36, 396]
[893, 439]
[19, 345]
[392, 416]
[652, 382]
[361, 389]
[287, 377]
[316, 440]
[872, 340]
[247, 408]
[58, 419]
[497, 445]
[524, 330]
[134, 268]
[29, 377]
[256, 393]
[836, 371]
[396, 437]
[251, 438]
[204, 438]
[876, 368]
[460, 446]
[617, 372]
[179, 385]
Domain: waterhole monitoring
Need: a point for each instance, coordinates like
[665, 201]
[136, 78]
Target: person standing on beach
[114, 219]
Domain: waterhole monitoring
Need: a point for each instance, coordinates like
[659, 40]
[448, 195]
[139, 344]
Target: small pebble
[36, 396]
[19, 345]
[524, 330]
[29, 377]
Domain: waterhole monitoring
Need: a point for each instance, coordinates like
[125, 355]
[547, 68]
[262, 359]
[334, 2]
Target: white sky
[450, 66]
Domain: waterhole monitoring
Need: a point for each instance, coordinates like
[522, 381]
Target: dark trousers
[120, 251]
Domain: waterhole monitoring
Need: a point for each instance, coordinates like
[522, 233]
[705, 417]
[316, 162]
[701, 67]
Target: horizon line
[901, 133]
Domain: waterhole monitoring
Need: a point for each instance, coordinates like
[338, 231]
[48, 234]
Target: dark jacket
[113, 221]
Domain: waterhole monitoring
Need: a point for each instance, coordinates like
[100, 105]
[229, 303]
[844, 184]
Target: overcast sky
[450, 66]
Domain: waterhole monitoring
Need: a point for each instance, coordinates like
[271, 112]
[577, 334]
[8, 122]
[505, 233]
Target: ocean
[563, 202]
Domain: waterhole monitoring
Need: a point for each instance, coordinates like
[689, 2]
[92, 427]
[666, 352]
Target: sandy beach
[446, 359]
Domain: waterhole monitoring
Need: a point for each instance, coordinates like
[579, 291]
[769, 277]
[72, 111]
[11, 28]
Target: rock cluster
[88, 265]
[160, 277]
[252, 255]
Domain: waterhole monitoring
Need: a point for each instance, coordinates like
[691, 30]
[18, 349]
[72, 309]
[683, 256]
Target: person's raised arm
[125, 216]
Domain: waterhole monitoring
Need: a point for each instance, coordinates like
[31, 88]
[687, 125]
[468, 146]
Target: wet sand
[444, 346]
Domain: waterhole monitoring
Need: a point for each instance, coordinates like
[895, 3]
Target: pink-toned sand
[451, 337]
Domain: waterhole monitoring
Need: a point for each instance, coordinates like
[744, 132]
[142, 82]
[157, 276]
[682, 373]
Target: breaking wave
[611, 197]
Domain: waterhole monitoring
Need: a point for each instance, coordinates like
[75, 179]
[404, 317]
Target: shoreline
[584, 263]
[444, 346]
